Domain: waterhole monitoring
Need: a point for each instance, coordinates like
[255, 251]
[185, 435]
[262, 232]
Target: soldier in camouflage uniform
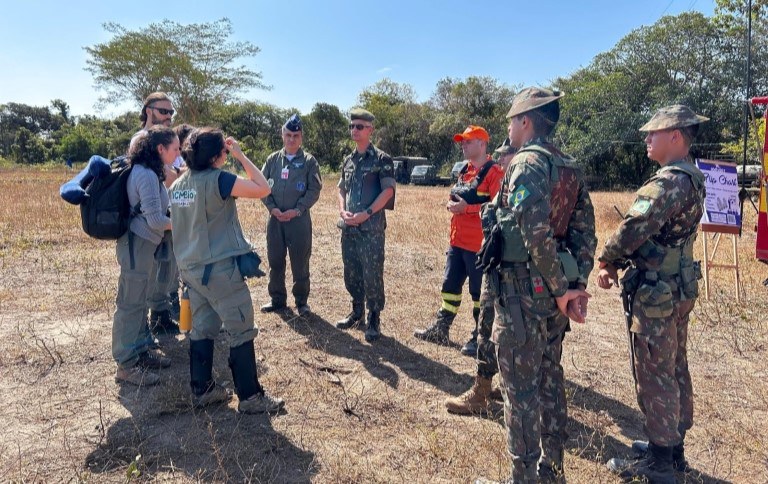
[294, 177]
[477, 399]
[547, 230]
[366, 189]
[656, 239]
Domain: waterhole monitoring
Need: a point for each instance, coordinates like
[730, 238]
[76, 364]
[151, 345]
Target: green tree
[195, 64]
[28, 147]
[326, 135]
[256, 125]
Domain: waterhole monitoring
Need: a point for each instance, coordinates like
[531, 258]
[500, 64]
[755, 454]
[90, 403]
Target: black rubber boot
[201, 365]
[173, 299]
[656, 466]
[355, 318]
[242, 362]
[373, 327]
[438, 332]
[640, 448]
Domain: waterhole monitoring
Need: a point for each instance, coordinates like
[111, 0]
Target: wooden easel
[710, 262]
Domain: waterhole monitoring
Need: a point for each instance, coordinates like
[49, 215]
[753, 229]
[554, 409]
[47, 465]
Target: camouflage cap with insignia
[505, 148]
[531, 98]
[293, 124]
[673, 117]
[360, 113]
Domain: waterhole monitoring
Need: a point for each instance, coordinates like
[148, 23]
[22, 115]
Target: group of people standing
[522, 232]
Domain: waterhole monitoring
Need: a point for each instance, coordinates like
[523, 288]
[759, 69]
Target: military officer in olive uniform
[655, 240]
[294, 177]
[366, 189]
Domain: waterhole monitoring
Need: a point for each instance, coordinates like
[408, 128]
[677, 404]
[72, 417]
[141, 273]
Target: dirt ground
[355, 412]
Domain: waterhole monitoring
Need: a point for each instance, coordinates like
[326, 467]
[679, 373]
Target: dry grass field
[355, 412]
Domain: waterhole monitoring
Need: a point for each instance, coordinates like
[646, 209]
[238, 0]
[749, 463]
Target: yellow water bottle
[185, 314]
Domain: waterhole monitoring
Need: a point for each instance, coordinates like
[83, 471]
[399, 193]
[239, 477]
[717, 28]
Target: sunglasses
[163, 111]
[359, 127]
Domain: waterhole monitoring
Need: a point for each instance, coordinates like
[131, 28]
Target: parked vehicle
[404, 165]
[427, 175]
[456, 170]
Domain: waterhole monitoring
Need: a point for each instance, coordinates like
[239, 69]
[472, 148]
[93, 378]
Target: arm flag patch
[519, 195]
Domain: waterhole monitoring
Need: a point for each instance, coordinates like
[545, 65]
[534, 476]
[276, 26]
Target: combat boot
[551, 466]
[372, 330]
[656, 466]
[473, 401]
[438, 332]
[470, 347]
[520, 473]
[161, 323]
[640, 448]
[353, 319]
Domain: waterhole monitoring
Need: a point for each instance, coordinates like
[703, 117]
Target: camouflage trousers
[224, 300]
[363, 257]
[664, 389]
[528, 334]
[487, 365]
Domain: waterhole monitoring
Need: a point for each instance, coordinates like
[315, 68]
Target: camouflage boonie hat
[360, 113]
[531, 98]
[505, 148]
[673, 117]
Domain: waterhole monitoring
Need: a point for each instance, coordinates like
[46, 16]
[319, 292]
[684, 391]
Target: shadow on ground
[214, 444]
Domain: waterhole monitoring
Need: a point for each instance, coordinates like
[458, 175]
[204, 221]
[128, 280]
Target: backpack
[106, 212]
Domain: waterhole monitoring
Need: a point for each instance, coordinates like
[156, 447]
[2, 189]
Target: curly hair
[144, 150]
[203, 147]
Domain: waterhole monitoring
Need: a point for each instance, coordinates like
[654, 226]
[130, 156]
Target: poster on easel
[722, 211]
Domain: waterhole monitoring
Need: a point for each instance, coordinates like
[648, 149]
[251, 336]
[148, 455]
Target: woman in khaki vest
[208, 241]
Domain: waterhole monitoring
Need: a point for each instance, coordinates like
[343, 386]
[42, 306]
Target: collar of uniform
[370, 150]
[687, 159]
[299, 154]
[540, 140]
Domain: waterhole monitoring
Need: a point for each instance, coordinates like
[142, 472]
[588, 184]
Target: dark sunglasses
[358, 127]
[163, 111]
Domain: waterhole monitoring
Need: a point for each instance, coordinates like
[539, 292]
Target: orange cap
[472, 132]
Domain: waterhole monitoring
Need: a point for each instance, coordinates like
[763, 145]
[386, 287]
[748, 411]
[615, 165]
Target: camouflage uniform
[364, 177]
[547, 223]
[657, 237]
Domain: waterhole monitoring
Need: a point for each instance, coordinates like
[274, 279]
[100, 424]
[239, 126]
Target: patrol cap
[531, 98]
[360, 113]
[293, 124]
[673, 117]
[505, 148]
[472, 132]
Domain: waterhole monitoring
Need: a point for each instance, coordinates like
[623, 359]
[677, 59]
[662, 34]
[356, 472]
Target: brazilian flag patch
[641, 206]
[520, 194]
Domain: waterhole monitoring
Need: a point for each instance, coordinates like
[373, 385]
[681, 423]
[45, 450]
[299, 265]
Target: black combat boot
[161, 323]
[640, 448]
[353, 319]
[656, 466]
[373, 326]
[438, 332]
[204, 390]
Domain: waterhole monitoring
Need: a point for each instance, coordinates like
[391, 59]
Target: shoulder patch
[520, 194]
[651, 191]
[640, 207]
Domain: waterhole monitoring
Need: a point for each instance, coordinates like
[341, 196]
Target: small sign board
[722, 211]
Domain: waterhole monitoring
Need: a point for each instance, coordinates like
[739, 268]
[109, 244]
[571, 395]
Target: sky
[328, 50]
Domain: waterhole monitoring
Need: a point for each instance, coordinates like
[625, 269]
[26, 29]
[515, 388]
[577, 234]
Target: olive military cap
[531, 98]
[505, 148]
[673, 117]
[360, 113]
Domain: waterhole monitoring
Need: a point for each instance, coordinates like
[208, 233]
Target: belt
[514, 270]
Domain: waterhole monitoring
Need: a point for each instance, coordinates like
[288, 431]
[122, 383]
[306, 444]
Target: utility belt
[534, 282]
[657, 292]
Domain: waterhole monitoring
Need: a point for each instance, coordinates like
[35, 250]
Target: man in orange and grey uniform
[477, 184]
[477, 399]
[294, 177]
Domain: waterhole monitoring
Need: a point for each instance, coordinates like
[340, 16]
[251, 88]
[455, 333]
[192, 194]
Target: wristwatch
[369, 211]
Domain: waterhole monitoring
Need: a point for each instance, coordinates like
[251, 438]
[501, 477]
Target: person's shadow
[165, 436]
[379, 358]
